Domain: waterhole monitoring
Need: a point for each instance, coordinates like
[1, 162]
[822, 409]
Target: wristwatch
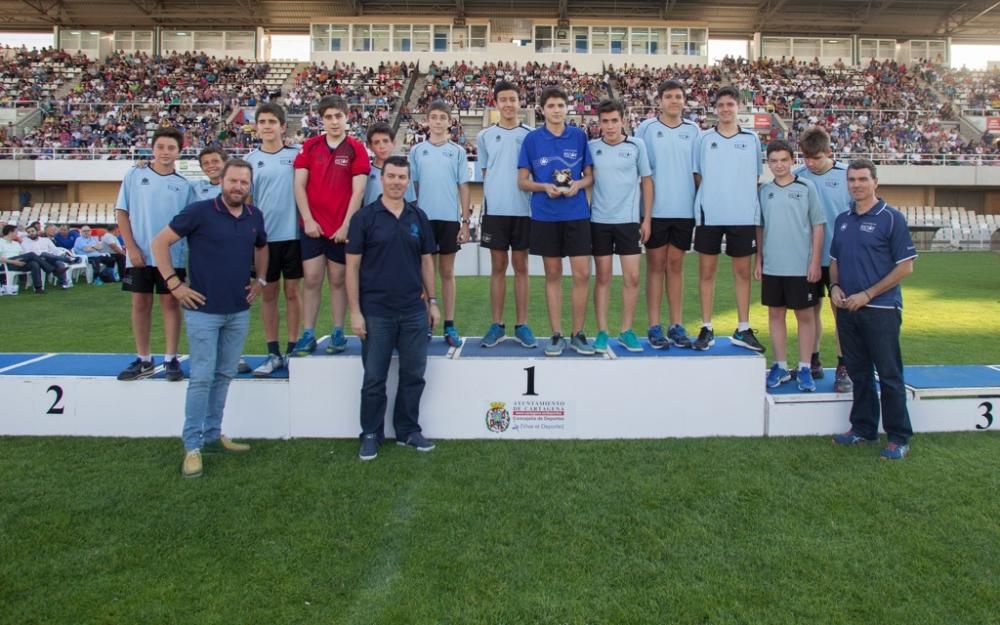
[432, 300]
[262, 282]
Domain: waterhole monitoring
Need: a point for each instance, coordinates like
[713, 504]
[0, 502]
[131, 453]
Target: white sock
[804, 365]
[743, 326]
[169, 357]
[707, 324]
[145, 357]
[782, 364]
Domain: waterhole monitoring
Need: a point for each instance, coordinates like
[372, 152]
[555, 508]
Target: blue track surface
[7, 360]
[925, 377]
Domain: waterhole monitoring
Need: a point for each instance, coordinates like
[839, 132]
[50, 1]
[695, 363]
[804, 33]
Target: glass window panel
[442, 33]
[562, 40]
[361, 38]
[421, 38]
[581, 39]
[380, 37]
[618, 37]
[339, 34]
[477, 36]
[543, 39]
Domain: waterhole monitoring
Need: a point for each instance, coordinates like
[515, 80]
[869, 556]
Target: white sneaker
[269, 366]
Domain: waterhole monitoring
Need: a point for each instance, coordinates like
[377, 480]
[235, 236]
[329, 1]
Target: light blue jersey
[151, 201]
[437, 170]
[205, 190]
[274, 191]
[833, 194]
[617, 170]
[672, 156]
[498, 149]
[373, 188]
[730, 167]
[788, 214]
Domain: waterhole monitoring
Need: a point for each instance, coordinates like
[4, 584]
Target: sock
[274, 348]
[840, 361]
[290, 345]
[803, 365]
[782, 364]
[815, 357]
[707, 324]
[517, 326]
[503, 326]
[145, 357]
[743, 326]
[169, 357]
[449, 323]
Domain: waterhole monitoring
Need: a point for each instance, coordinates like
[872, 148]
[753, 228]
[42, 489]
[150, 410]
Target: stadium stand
[636, 87]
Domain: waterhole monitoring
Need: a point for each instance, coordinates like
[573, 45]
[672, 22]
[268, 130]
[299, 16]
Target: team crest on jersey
[741, 146]
[286, 161]
[867, 227]
[570, 154]
[426, 152]
[659, 134]
[599, 152]
[173, 187]
[145, 181]
[795, 195]
[448, 153]
[770, 195]
[498, 139]
[342, 161]
[497, 417]
[684, 136]
[415, 231]
[832, 184]
[260, 164]
[714, 146]
[843, 227]
[625, 154]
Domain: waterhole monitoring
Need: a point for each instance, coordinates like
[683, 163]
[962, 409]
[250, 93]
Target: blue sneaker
[894, 451]
[777, 376]
[806, 382]
[601, 342]
[417, 441]
[629, 341]
[850, 438]
[337, 344]
[678, 336]
[493, 336]
[525, 336]
[580, 345]
[747, 338]
[369, 447]
[452, 337]
[556, 345]
[304, 346]
[98, 282]
[656, 338]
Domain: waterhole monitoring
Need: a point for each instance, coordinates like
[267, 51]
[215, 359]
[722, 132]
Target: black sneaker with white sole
[706, 339]
[417, 441]
[137, 370]
[172, 370]
[746, 338]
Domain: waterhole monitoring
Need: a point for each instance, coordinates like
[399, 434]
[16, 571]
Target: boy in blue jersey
[620, 165]
[726, 206]
[788, 261]
[149, 198]
[211, 159]
[506, 221]
[274, 194]
[555, 166]
[830, 179]
[670, 143]
[440, 174]
[381, 142]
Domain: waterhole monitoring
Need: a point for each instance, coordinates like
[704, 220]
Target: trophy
[563, 178]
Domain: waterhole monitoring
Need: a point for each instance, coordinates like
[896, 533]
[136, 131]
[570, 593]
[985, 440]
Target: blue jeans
[215, 342]
[870, 340]
[407, 335]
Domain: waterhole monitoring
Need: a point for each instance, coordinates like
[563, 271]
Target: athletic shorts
[741, 241]
[501, 232]
[793, 292]
[446, 235]
[608, 239]
[671, 231]
[148, 280]
[824, 282]
[558, 239]
[284, 259]
[311, 247]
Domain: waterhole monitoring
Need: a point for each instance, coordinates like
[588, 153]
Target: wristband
[262, 282]
[167, 279]
[836, 284]
[868, 295]
[176, 286]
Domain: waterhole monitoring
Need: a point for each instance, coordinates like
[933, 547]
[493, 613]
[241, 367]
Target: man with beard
[224, 234]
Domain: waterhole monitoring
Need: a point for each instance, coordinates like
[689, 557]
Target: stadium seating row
[74, 214]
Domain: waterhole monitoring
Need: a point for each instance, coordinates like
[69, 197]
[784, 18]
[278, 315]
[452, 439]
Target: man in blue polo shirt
[555, 166]
[870, 255]
[225, 236]
[390, 269]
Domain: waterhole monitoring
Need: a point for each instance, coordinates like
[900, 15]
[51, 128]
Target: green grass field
[711, 531]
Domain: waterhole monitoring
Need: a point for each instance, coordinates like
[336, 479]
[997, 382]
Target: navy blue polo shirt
[542, 154]
[391, 282]
[220, 252]
[867, 247]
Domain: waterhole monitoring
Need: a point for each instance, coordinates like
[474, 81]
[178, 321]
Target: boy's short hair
[552, 92]
[780, 145]
[381, 128]
[273, 109]
[668, 85]
[610, 106]
[814, 141]
[727, 91]
[8, 229]
[439, 105]
[213, 149]
[332, 102]
[170, 133]
[505, 85]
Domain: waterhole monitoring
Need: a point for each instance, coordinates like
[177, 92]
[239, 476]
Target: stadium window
[339, 36]
[562, 41]
[806, 48]
[880, 49]
[837, 48]
[320, 37]
[640, 40]
[380, 37]
[361, 38]
[402, 38]
[658, 43]
[618, 36]
[477, 37]
[242, 43]
[678, 41]
[442, 33]
[421, 38]
[599, 40]
[698, 44]
[543, 39]
[177, 41]
[459, 37]
[776, 47]
[209, 40]
[581, 40]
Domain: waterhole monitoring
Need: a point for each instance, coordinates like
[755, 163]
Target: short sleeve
[759, 154]
[301, 159]
[356, 232]
[414, 164]
[816, 214]
[644, 167]
[588, 160]
[696, 154]
[192, 194]
[186, 221]
[760, 211]
[461, 166]
[899, 239]
[122, 202]
[524, 158]
[482, 156]
[361, 165]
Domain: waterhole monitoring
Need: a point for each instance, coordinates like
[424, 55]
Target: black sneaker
[417, 441]
[816, 368]
[706, 339]
[172, 368]
[138, 370]
[747, 339]
[369, 447]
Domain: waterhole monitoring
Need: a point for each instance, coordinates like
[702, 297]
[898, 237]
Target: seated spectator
[13, 257]
[65, 238]
[91, 247]
[47, 251]
[115, 247]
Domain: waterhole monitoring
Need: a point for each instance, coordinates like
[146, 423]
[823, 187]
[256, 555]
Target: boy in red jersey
[330, 175]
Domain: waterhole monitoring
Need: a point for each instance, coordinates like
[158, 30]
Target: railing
[981, 112]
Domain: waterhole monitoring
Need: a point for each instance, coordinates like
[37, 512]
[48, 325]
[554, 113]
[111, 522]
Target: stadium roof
[964, 19]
